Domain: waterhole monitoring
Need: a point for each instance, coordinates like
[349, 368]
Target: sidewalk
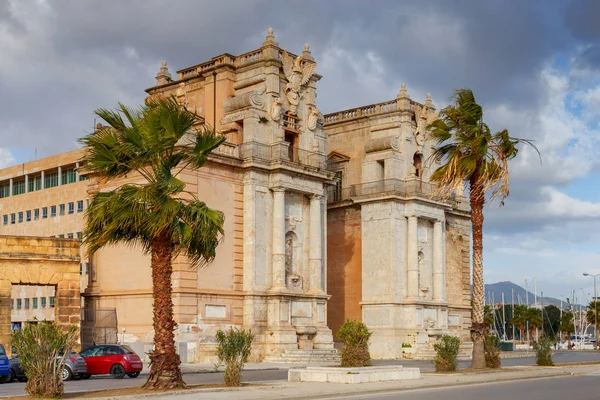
[314, 390]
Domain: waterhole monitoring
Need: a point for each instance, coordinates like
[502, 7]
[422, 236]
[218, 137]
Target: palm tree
[591, 316]
[534, 317]
[566, 325]
[469, 153]
[154, 143]
[519, 319]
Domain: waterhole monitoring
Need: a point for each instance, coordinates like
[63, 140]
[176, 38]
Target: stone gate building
[398, 255]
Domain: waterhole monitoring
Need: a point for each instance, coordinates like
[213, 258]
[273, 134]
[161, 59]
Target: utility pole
[561, 307]
[526, 294]
[581, 319]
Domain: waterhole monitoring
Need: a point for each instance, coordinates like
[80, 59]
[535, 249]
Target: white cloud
[6, 158]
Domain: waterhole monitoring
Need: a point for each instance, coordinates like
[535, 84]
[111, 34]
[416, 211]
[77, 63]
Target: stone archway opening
[39, 262]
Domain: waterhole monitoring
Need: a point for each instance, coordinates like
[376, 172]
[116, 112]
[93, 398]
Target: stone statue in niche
[276, 109]
[182, 94]
[423, 120]
[297, 76]
[292, 279]
[313, 118]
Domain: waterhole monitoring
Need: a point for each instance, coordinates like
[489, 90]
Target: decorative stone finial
[403, 93]
[428, 101]
[270, 39]
[163, 76]
[306, 53]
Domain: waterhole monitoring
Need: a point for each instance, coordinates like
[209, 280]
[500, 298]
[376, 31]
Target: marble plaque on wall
[453, 320]
[301, 309]
[215, 311]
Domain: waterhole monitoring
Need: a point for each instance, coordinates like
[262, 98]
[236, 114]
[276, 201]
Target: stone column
[315, 253]
[10, 186]
[59, 176]
[76, 172]
[278, 281]
[5, 327]
[412, 258]
[438, 262]
[43, 181]
[27, 184]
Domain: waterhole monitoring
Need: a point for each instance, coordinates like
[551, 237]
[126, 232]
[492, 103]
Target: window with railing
[4, 190]
[51, 180]
[61, 209]
[19, 304]
[35, 183]
[80, 206]
[337, 194]
[51, 301]
[44, 212]
[71, 208]
[69, 176]
[5, 219]
[28, 215]
[43, 302]
[35, 303]
[20, 216]
[53, 211]
[18, 187]
[36, 214]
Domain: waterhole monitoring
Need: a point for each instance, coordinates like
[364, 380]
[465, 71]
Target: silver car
[75, 367]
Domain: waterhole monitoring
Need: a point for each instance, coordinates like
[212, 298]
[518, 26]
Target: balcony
[387, 187]
[281, 152]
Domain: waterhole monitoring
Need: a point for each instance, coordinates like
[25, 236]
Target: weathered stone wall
[344, 271]
[40, 261]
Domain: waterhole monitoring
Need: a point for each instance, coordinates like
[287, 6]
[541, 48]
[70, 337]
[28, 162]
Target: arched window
[417, 163]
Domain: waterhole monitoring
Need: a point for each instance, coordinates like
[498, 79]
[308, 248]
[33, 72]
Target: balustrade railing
[372, 109]
[281, 151]
[389, 187]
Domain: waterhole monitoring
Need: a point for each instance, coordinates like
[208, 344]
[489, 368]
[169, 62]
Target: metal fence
[281, 151]
[386, 187]
[99, 326]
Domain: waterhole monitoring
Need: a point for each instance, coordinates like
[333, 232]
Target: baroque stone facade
[42, 262]
[400, 253]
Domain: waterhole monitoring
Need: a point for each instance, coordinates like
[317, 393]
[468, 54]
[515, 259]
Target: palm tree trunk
[477, 200]
[164, 361]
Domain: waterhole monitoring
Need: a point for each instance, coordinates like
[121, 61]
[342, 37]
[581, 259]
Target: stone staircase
[324, 357]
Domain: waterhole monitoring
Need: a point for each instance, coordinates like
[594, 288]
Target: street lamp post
[595, 310]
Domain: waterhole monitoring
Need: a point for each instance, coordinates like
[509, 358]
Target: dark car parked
[75, 368]
[116, 360]
[4, 366]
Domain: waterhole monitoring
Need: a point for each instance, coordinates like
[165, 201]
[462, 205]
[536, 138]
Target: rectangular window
[61, 208]
[13, 218]
[5, 219]
[53, 211]
[28, 215]
[69, 236]
[44, 212]
[18, 187]
[4, 190]
[87, 268]
[35, 183]
[82, 178]
[80, 206]
[61, 236]
[19, 304]
[80, 269]
[51, 302]
[43, 302]
[27, 304]
[51, 180]
[36, 214]
[71, 208]
[79, 235]
[35, 303]
[69, 176]
[20, 216]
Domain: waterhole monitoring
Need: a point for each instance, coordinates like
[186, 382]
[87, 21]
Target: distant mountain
[493, 293]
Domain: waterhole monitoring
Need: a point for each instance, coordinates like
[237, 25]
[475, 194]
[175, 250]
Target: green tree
[469, 153]
[154, 143]
[566, 325]
[520, 319]
[488, 317]
[534, 317]
[591, 316]
[551, 321]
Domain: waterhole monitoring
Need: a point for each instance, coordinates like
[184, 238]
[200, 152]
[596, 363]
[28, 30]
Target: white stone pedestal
[353, 375]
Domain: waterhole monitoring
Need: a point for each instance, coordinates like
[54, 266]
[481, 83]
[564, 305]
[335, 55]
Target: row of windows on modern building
[26, 184]
[26, 216]
[32, 303]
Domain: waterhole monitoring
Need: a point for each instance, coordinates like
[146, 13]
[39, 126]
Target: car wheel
[76, 377]
[85, 376]
[12, 376]
[4, 378]
[117, 371]
[133, 374]
[66, 374]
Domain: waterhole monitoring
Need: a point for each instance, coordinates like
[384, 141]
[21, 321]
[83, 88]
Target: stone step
[307, 357]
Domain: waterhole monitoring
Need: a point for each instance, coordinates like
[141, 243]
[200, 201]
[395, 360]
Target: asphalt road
[100, 383]
[580, 387]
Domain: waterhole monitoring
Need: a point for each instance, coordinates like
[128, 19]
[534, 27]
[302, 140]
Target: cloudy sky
[534, 65]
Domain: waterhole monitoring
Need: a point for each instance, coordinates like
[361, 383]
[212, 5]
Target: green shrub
[492, 351]
[543, 352]
[43, 348]
[447, 351]
[406, 345]
[234, 347]
[355, 336]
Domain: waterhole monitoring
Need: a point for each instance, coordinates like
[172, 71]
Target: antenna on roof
[35, 154]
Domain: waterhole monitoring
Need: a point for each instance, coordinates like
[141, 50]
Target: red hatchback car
[115, 360]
